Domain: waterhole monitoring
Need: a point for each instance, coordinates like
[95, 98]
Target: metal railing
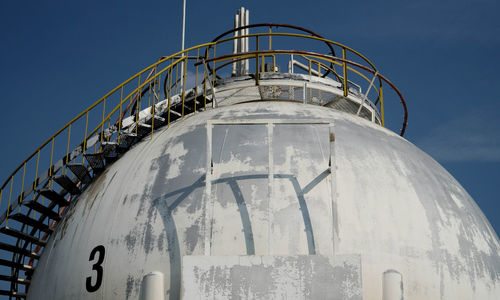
[125, 107]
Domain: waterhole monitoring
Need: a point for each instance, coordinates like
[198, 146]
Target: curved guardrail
[32, 202]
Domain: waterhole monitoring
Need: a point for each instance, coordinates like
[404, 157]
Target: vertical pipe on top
[242, 40]
[247, 31]
[235, 42]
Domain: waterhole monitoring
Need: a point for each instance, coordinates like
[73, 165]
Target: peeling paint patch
[272, 277]
[191, 237]
[176, 153]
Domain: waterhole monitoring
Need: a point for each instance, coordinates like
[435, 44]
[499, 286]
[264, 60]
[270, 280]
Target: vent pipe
[241, 45]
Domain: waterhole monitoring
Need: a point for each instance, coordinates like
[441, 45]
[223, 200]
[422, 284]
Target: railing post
[184, 67]
[67, 150]
[22, 187]
[85, 139]
[381, 95]
[344, 68]
[196, 80]
[138, 96]
[119, 118]
[204, 85]
[51, 159]
[152, 107]
[270, 38]
[257, 60]
[35, 183]
[103, 114]
[214, 75]
[169, 90]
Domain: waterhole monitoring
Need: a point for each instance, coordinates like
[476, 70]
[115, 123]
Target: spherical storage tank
[263, 184]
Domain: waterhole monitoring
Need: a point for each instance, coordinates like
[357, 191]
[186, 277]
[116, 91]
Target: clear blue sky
[58, 57]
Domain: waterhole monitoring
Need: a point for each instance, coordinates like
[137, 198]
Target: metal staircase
[29, 234]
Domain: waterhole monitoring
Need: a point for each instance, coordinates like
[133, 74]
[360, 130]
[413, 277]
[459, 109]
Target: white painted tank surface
[272, 200]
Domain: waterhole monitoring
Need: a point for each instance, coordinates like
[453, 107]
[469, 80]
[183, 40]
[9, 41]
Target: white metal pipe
[235, 41]
[241, 41]
[247, 31]
[392, 285]
[303, 67]
[152, 286]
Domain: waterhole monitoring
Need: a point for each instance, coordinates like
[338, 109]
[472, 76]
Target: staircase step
[158, 121]
[96, 161]
[54, 197]
[31, 222]
[66, 183]
[21, 235]
[110, 150]
[36, 206]
[127, 139]
[15, 265]
[109, 147]
[13, 294]
[143, 129]
[80, 172]
[14, 249]
[15, 279]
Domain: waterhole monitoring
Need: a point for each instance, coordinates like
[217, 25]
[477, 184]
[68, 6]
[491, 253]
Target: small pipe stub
[152, 286]
[392, 285]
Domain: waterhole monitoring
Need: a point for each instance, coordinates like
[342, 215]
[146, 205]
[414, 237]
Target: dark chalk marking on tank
[160, 241]
[130, 286]
[149, 238]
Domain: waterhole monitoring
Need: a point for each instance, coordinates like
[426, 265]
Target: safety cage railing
[35, 195]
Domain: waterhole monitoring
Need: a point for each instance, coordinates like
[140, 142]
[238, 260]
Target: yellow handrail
[165, 66]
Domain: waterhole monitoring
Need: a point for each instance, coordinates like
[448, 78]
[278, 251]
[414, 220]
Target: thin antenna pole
[183, 37]
[183, 23]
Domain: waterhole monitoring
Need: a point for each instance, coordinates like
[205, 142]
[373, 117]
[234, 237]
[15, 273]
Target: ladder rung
[54, 197]
[21, 235]
[14, 249]
[42, 209]
[80, 172]
[66, 183]
[31, 222]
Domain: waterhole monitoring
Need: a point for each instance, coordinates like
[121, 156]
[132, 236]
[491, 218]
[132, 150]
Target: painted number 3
[97, 267]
